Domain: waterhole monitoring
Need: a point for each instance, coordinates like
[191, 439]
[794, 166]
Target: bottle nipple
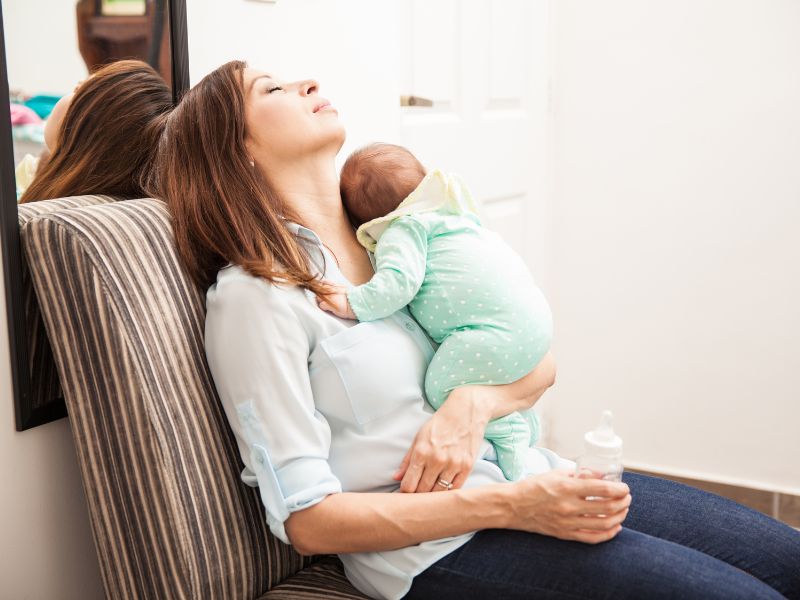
[602, 441]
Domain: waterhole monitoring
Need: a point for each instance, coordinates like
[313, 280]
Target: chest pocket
[381, 365]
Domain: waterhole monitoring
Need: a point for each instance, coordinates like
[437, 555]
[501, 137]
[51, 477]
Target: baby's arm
[400, 258]
[400, 270]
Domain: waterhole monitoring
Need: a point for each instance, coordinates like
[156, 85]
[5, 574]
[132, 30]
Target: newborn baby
[469, 290]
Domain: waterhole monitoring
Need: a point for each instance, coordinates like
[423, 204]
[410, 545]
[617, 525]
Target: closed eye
[277, 87]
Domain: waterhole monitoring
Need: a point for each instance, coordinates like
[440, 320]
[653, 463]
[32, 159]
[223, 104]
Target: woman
[329, 414]
[100, 138]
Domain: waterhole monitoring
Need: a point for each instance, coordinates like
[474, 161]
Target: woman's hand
[336, 302]
[447, 445]
[554, 503]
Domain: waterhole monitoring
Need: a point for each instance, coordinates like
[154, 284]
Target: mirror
[49, 49]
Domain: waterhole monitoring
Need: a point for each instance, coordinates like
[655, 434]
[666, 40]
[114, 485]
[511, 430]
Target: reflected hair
[108, 135]
[223, 208]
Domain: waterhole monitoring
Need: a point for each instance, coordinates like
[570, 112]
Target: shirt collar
[301, 231]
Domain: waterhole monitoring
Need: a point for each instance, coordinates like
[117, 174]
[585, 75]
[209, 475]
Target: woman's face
[53, 122]
[286, 121]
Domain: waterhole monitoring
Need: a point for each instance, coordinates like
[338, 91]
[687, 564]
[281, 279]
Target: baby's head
[375, 179]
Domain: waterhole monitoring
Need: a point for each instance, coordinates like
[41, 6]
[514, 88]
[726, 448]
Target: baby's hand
[337, 302]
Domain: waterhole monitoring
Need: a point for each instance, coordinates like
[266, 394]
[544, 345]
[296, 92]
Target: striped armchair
[44, 376]
[170, 516]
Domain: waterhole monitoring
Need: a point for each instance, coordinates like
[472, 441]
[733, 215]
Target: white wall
[42, 46]
[675, 244]
[348, 46]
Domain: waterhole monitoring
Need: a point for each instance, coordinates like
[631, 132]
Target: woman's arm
[449, 441]
[553, 503]
[500, 400]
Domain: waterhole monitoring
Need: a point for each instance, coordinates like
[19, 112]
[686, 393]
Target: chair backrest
[44, 377]
[160, 467]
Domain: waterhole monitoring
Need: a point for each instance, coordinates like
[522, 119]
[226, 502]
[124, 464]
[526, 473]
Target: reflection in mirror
[89, 85]
[47, 61]
[123, 7]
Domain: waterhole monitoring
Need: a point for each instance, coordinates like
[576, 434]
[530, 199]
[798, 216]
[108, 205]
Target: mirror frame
[26, 415]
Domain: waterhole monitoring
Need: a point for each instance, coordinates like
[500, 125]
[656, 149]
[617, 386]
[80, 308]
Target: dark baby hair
[376, 178]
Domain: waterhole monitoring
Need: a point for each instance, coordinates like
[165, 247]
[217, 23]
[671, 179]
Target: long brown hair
[108, 135]
[223, 209]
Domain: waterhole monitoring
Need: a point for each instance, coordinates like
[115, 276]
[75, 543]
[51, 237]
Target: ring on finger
[445, 484]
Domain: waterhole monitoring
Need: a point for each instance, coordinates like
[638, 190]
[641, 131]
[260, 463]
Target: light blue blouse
[321, 405]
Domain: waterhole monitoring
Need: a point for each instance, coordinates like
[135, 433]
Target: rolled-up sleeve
[257, 351]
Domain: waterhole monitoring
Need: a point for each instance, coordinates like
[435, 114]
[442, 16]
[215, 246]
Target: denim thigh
[676, 542]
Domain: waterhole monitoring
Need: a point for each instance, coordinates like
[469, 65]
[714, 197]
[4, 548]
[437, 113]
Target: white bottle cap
[603, 441]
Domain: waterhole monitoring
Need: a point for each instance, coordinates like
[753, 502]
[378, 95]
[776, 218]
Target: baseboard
[777, 504]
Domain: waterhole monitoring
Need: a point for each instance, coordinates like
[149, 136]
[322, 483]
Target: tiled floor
[780, 506]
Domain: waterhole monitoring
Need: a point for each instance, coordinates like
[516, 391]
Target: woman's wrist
[492, 503]
[474, 399]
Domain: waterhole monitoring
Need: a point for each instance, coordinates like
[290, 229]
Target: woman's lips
[323, 106]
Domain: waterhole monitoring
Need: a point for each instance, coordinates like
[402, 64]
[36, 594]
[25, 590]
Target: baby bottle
[602, 458]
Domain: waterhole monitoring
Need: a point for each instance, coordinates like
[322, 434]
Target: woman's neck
[311, 190]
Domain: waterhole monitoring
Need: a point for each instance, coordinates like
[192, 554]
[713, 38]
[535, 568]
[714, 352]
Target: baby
[469, 290]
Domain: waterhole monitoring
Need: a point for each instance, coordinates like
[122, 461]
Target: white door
[483, 63]
[485, 66]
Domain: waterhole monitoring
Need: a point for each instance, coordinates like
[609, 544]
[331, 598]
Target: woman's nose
[309, 86]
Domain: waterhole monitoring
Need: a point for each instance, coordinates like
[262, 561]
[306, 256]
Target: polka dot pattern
[474, 296]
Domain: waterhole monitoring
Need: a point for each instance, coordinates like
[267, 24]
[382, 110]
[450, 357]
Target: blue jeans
[676, 542]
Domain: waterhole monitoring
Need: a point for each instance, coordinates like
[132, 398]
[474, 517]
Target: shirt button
[410, 326]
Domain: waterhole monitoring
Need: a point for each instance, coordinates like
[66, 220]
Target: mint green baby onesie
[470, 291]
